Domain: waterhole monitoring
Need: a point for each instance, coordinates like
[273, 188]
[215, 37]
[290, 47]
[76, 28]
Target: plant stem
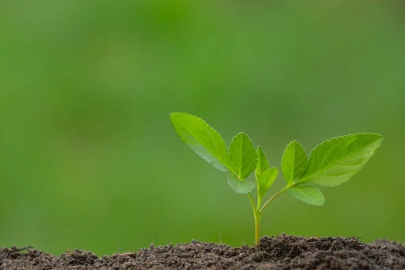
[258, 217]
[258, 212]
[272, 198]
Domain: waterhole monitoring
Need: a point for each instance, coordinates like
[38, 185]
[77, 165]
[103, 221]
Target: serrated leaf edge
[329, 140]
[281, 164]
[229, 148]
[210, 127]
[258, 159]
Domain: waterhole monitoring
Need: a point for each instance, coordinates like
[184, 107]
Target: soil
[281, 252]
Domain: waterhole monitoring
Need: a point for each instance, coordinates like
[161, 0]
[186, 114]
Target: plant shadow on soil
[280, 252]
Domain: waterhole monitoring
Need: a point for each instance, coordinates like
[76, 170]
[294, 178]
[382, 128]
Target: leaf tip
[174, 115]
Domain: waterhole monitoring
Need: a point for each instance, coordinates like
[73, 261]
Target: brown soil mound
[281, 252]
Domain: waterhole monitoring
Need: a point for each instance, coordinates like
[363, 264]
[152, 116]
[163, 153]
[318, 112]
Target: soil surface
[281, 252]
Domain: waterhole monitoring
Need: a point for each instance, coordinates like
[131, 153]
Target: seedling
[330, 164]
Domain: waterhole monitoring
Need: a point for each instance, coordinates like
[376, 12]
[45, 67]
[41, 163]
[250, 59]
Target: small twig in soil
[21, 249]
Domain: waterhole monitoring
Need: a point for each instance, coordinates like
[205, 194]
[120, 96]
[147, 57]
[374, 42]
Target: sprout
[330, 164]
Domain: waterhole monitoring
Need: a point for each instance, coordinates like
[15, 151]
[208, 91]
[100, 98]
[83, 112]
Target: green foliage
[241, 187]
[265, 180]
[307, 194]
[335, 161]
[265, 175]
[330, 164]
[242, 155]
[202, 139]
[262, 161]
[294, 161]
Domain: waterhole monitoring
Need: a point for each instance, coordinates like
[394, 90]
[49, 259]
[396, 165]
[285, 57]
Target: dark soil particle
[282, 253]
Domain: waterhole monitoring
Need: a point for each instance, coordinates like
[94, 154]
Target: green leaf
[294, 161]
[262, 161]
[242, 155]
[265, 175]
[307, 194]
[202, 139]
[265, 180]
[335, 161]
[240, 186]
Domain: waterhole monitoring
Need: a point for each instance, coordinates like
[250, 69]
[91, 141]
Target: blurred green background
[90, 160]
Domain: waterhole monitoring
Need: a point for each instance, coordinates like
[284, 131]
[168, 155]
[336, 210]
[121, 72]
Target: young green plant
[330, 164]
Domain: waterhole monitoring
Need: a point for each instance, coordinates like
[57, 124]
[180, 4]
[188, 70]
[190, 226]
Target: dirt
[281, 252]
